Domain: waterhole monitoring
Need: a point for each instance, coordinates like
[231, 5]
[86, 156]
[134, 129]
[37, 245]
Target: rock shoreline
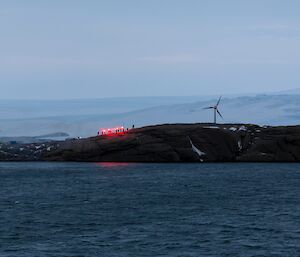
[170, 143]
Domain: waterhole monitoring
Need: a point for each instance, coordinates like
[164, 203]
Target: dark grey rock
[171, 143]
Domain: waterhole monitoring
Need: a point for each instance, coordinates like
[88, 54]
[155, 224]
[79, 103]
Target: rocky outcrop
[173, 143]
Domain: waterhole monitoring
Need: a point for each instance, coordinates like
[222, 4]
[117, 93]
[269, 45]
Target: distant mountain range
[85, 117]
[295, 91]
[34, 139]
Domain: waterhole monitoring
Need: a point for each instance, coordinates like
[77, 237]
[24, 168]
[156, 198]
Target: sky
[63, 49]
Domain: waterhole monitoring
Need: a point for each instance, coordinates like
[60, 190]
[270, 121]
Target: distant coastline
[170, 143]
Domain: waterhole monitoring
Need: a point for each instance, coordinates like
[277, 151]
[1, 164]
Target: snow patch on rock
[212, 127]
[240, 145]
[196, 150]
[242, 128]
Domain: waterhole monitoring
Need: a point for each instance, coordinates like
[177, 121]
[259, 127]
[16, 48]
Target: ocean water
[115, 209]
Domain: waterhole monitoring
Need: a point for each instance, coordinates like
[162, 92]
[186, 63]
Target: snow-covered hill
[261, 109]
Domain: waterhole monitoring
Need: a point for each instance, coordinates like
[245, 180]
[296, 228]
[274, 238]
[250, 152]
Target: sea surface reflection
[121, 209]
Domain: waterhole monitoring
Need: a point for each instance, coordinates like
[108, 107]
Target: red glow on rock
[112, 164]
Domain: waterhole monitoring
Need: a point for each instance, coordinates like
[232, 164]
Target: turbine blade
[220, 114]
[219, 101]
[208, 108]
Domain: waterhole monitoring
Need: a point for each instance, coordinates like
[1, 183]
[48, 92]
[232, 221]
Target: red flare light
[112, 131]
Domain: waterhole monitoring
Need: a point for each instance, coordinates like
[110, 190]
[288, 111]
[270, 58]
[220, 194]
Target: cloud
[192, 59]
[172, 59]
[16, 63]
[276, 30]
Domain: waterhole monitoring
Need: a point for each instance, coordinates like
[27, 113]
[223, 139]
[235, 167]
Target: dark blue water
[149, 209]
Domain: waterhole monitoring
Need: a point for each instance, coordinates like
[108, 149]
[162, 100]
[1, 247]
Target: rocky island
[170, 143]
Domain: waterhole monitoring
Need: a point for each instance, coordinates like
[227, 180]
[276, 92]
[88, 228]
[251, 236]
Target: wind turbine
[216, 110]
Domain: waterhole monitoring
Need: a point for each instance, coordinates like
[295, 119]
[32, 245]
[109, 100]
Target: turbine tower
[216, 110]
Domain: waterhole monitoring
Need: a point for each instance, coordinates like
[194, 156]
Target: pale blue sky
[93, 49]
